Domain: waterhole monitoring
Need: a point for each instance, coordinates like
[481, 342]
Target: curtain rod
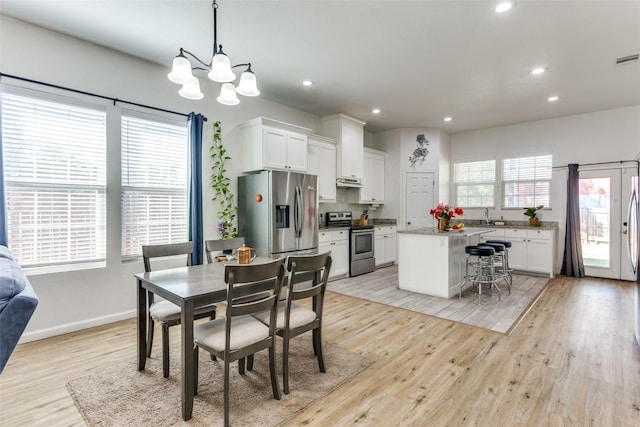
[93, 94]
[637, 162]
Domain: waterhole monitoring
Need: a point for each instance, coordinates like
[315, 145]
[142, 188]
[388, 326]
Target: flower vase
[443, 224]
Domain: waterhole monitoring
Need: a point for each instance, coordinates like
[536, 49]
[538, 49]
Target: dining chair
[239, 334]
[294, 318]
[166, 313]
[218, 245]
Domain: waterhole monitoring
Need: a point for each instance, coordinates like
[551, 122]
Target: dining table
[187, 287]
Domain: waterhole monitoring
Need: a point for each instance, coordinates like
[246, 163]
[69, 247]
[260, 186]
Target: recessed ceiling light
[538, 70]
[447, 119]
[307, 83]
[553, 98]
[504, 6]
[376, 111]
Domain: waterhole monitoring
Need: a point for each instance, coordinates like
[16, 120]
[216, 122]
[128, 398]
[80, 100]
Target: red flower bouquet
[445, 211]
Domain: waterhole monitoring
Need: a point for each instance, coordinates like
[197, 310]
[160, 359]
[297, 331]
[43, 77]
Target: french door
[609, 222]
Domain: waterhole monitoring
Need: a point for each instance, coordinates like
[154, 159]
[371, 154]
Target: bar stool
[500, 262]
[507, 245]
[481, 259]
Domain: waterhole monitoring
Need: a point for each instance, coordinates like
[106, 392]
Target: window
[154, 183]
[54, 159]
[474, 182]
[526, 182]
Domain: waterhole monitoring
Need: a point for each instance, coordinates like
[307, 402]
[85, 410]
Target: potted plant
[220, 183]
[531, 213]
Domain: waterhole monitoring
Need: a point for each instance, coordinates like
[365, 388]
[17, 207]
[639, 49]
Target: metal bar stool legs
[500, 262]
[481, 260]
[507, 270]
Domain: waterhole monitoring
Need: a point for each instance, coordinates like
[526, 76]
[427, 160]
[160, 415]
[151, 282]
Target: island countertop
[432, 231]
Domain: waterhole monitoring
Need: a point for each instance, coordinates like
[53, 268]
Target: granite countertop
[432, 231]
[372, 221]
[543, 225]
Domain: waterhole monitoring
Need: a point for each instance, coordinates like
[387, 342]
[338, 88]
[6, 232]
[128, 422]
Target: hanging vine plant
[220, 183]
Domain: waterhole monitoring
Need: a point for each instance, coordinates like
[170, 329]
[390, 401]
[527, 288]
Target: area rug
[120, 395]
[497, 315]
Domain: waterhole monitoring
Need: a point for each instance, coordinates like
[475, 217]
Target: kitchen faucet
[486, 215]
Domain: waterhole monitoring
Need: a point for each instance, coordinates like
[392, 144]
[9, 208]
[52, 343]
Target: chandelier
[220, 70]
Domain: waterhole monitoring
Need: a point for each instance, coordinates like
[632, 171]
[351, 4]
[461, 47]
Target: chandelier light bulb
[191, 89]
[221, 68]
[228, 95]
[181, 70]
[248, 85]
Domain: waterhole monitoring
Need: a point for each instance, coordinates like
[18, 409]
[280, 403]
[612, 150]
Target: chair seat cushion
[165, 311]
[300, 315]
[245, 330]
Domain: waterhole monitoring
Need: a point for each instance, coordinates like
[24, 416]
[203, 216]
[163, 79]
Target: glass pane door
[603, 204]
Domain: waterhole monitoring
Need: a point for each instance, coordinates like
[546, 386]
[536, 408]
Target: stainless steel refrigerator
[278, 212]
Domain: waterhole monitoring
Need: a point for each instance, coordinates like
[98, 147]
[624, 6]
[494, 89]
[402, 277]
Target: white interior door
[604, 224]
[419, 199]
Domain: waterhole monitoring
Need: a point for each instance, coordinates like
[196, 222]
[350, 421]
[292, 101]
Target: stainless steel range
[361, 242]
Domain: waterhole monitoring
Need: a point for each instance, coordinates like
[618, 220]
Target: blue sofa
[18, 301]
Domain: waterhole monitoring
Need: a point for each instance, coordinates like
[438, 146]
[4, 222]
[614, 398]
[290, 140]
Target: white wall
[604, 136]
[79, 299]
[398, 145]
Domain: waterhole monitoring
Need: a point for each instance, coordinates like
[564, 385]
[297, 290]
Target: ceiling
[417, 61]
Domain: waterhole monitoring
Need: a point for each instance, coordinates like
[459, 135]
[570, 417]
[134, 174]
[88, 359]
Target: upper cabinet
[270, 144]
[321, 159]
[372, 191]
[350, 135]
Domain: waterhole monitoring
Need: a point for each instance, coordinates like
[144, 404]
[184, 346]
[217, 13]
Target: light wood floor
[572, 361]
[499, 315]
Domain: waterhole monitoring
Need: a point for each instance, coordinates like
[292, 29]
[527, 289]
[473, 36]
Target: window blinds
[474, 183]
[527, 181]
[54, 158]
[154, 183]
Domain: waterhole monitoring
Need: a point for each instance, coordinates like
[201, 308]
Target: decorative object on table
[226, 246]
[219, 71]
[531, 213]
[420, 153]
[245, 256]
[220, 183]
[443, 213]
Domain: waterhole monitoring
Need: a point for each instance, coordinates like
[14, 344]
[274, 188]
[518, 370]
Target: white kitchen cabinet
[336, 242]
[386, 244]
[270, 144]
[321, 160]
[531, 250]
[372, 191]
[350, 135]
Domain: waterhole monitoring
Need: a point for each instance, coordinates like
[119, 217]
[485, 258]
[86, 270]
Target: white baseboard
[75, 326]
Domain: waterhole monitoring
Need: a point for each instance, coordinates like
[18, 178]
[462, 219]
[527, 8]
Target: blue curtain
[195, 186]
[3, 223]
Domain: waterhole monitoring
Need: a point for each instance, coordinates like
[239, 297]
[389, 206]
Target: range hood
[348, 182]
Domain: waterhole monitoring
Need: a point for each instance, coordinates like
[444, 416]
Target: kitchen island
[432, 262]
